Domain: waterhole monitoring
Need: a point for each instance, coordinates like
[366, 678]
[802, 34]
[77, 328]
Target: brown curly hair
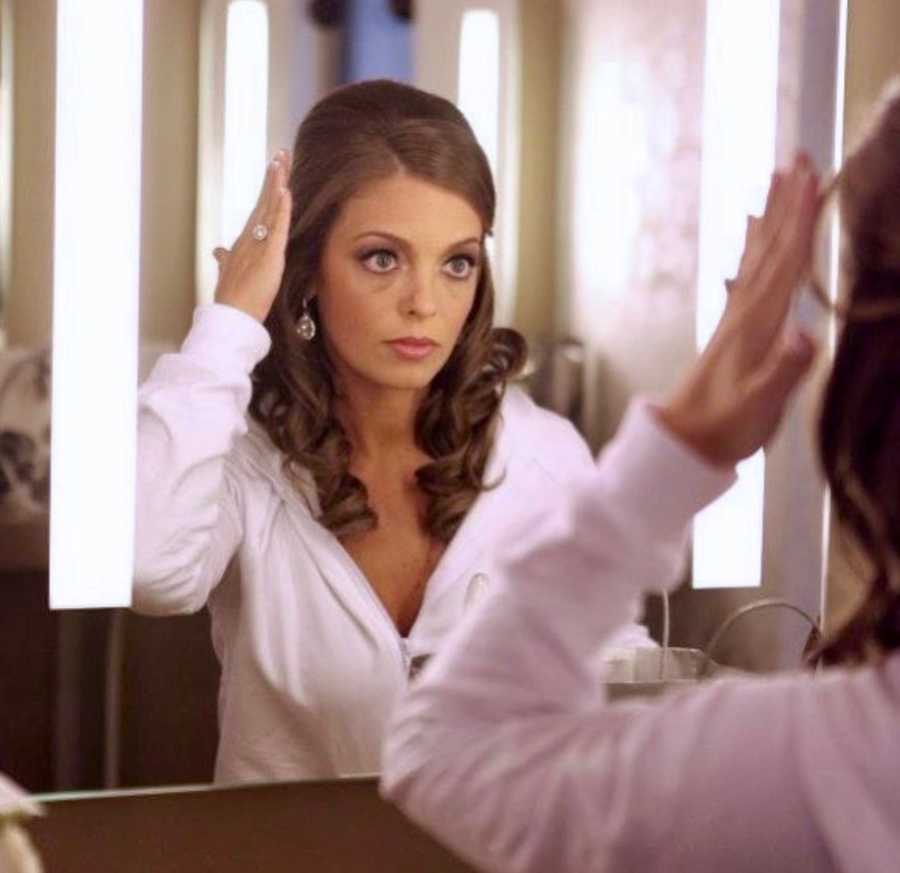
[859, 426]
[357, 134]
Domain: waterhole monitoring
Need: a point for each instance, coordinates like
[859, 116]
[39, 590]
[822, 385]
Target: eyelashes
[382, 261]
[374, 259]
[468, 261]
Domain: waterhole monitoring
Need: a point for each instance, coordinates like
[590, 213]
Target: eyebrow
[405, 244]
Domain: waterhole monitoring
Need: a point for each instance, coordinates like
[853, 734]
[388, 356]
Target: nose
[420, 296]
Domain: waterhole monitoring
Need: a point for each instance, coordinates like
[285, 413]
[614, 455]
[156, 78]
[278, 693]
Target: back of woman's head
[359, 134]
[859, 431]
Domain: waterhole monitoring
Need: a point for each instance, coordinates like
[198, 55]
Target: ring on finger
[259, 232]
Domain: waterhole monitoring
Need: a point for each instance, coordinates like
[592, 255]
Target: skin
[373, 289]
[401, 260]
[729, 404]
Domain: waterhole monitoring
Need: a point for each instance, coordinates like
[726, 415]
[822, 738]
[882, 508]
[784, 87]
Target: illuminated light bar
[739, 118]
[99, 79]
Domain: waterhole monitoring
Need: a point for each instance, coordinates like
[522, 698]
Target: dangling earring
[306, 327]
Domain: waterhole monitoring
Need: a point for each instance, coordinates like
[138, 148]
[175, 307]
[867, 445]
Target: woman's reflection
[336, 531]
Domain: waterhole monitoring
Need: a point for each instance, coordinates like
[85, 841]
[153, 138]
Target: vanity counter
[338, 826]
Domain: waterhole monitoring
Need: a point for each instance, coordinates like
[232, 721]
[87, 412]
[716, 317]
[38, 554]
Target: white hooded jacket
[312, 664]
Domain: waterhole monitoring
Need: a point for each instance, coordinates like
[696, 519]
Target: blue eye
[461, 266]
[380, 260]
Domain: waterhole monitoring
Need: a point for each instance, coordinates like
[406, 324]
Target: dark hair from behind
[859, 427]
[358, 134]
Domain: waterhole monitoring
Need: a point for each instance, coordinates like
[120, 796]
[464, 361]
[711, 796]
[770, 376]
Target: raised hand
[250, 272]
[732, 399]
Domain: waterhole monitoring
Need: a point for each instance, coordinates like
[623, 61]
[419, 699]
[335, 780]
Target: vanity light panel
[487, 93]
[95, 300]
[233, 125]
[739, 128]
[246, 112]
[479, 84]
[479, 78]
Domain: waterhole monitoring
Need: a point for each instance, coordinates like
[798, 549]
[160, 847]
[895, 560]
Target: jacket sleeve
[506, 750]
[568, 465]
[191, 410]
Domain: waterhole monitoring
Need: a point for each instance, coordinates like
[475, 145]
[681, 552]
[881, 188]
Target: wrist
[691, 430]
[256, 313]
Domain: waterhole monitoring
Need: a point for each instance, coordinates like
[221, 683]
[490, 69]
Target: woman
[353, 515]
[505, 748]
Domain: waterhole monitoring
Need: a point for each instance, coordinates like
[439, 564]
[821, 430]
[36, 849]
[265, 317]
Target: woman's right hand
[732, 400]
[250, 272]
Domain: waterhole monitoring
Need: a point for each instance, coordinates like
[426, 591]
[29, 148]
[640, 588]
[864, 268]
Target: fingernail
[798, 343]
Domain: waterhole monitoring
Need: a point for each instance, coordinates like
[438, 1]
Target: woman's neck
[380, 422]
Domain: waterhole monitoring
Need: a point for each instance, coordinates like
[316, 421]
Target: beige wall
[873, 56]
[169, 170]
[169, 194]
[28, 304]
[541, 35]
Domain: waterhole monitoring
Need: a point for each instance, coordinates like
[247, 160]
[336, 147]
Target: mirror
[119, 699]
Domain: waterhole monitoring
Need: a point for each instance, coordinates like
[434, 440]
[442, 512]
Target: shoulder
[529, 431]
[259, 465]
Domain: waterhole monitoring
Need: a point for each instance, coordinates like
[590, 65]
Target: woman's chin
[407, 375]
[409, 381]
[397, 375]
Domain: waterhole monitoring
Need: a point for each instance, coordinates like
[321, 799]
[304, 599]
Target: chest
[398, 556]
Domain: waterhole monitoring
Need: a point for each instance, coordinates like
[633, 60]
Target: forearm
[192, 409]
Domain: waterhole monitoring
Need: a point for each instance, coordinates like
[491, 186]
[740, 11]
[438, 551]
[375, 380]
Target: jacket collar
[513, 463]
[256, 451]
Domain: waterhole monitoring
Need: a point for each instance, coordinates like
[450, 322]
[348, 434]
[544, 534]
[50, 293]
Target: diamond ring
[259, 232]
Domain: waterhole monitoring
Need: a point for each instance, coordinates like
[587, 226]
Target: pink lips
[413, 348]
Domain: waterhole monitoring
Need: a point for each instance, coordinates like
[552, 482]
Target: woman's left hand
[732, 399]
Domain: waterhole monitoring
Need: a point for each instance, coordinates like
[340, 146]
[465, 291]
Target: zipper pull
[476, 589]
[404, 652]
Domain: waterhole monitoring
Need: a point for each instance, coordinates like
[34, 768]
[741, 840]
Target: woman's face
[397, 280]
